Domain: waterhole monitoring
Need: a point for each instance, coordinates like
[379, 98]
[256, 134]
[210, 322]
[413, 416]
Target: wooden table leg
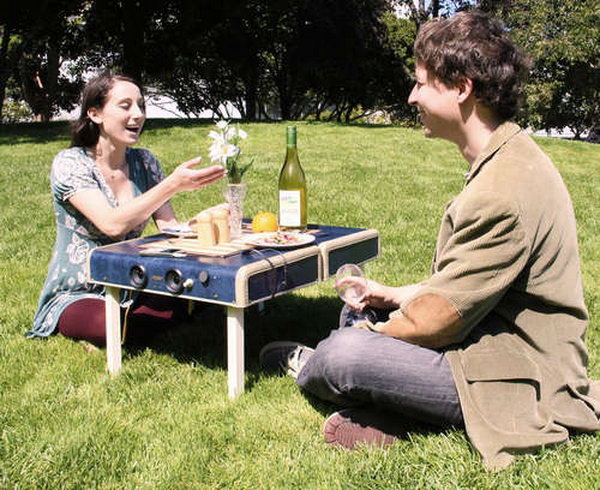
[235, 351]
[113, 330]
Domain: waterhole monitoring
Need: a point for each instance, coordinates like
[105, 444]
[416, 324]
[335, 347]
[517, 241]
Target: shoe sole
[339, 430]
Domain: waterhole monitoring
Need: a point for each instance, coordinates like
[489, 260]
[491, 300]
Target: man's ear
[465, 89]
[94, 115]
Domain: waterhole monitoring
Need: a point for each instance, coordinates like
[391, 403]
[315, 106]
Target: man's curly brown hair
[476, 46]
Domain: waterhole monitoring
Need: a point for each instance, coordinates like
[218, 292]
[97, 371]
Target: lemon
[263, 222]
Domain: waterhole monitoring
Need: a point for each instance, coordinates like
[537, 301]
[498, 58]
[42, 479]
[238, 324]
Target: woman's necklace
[111, 174]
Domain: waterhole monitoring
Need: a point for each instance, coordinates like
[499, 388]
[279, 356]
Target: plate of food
[280, 239]
[182, 230]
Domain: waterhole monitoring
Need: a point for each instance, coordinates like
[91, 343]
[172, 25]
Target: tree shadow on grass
[48, 132]
[36, 132]
[203, 339]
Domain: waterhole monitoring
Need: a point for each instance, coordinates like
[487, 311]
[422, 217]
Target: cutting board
[191, 245]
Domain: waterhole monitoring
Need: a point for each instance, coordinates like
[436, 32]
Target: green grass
[166, 422]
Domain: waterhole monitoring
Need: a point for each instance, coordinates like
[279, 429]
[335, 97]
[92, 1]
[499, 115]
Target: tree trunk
[133, 39]
[285, 104]
[250, 104]
[251, 94]
[594, 134]
[4, 70]
[348, 113]
[50, 92]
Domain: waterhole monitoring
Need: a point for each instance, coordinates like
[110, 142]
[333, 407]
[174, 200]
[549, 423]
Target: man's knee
[343, 351]
[336, 366]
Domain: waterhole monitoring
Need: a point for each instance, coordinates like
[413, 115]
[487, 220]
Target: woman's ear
[465, 89]
[94, 115]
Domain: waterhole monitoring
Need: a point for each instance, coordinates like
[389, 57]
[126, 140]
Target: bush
[14, 111]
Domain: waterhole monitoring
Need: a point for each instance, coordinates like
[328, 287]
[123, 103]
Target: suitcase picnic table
[236, 279]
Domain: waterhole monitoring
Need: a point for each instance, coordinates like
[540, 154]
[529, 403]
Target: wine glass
[350, 283]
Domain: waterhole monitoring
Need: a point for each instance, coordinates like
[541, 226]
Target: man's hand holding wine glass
[358, 292]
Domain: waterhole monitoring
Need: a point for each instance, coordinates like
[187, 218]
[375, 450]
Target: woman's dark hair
[475, 45]
[85, 132]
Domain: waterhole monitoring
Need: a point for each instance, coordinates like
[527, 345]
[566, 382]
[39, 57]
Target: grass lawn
[166, 421]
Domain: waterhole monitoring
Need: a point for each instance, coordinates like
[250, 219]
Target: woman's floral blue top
[72, 171]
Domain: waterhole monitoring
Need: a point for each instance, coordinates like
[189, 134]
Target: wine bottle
[292, 187]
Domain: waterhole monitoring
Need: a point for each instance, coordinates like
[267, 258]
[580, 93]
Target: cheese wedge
[221, 224]
[205, 229]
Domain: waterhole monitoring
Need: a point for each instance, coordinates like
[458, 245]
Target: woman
[105, 191]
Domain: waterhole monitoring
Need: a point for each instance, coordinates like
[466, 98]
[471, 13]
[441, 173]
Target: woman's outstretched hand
[187, 178]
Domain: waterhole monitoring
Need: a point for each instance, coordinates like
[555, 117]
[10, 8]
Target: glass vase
[234, 195]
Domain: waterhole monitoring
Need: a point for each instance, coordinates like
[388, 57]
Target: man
[494, 338]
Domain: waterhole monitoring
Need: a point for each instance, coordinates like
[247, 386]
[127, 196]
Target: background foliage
[282, 59]
[563, 37]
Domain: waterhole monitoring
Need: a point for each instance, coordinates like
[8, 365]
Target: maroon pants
[85, 319]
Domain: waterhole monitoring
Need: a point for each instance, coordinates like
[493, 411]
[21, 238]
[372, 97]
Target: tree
[210, 57]
[269, 58]
[400, 39]
[37, 39]
[421, 10]
[8, 24]
[344, 57]
[335, 57]
[283, 58]
[563, 37]
[126, 34]
[239, 52]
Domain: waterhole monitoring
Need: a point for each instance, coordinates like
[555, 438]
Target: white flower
[217, 136]
[235, 134]
[222, 151]
[230, 134]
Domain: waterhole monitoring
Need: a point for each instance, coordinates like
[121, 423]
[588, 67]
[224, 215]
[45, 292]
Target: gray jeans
[356, 367]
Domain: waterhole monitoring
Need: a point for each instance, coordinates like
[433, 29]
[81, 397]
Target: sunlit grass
[166, 422]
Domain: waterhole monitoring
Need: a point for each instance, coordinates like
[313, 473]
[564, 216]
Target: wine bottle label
[289, 208]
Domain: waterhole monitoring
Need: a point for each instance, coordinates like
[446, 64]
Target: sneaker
[284, 356]
[352, 426]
